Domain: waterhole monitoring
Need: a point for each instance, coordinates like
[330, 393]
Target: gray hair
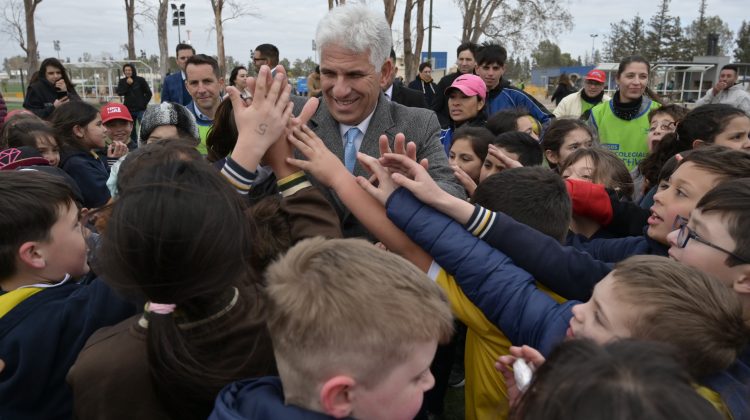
[356, 28]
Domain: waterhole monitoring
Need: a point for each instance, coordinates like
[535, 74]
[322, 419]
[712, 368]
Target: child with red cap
[119, 123]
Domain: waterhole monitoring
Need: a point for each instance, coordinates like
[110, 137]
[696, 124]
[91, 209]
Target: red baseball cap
[597, 76]
[114, 111]
[469, 85]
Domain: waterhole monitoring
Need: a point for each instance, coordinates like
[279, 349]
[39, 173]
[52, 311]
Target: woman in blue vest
[622, 122]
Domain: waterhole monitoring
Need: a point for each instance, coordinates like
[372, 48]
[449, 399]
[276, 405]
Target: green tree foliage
[548, 54]
[696, 35]
[626, 38]
[742, 52]
[664, 40]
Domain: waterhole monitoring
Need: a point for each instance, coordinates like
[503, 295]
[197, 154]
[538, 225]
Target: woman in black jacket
[136, 95]
[564, 88]
[51, 89]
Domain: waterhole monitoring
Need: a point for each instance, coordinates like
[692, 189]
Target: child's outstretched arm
[569, 272]
[329, 170]
[505, 293]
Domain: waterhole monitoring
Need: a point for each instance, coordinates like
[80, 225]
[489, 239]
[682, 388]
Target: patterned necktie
[350, 149]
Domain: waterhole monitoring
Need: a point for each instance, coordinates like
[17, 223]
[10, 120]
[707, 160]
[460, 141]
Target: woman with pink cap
[580, 103]
[466, 99]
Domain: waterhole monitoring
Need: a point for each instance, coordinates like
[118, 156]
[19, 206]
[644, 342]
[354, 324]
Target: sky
[99, 26]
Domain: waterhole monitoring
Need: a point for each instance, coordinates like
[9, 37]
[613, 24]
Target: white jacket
[735, 96]
[570, 106]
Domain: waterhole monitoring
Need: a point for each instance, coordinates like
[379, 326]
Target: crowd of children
[154, 283]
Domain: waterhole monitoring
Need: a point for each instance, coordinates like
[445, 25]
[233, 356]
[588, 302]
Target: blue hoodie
[260, 398]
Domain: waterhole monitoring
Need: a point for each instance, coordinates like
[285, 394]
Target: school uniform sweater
[508, 297]
[90, 171]
[42, 331]
[261, 398]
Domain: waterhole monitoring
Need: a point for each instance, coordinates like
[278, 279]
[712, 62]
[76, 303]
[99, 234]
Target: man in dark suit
[399, 93]
[173, 89]
[354, 113]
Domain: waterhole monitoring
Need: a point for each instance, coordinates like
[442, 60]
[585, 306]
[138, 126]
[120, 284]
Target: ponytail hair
[178, 235]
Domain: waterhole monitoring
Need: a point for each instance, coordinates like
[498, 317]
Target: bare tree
[19, 25]
[235, 10]
[130, 17]
[411, 57]
[513, 22]
[159, 18]
[13, 23]
[334, 3]
[390, 10]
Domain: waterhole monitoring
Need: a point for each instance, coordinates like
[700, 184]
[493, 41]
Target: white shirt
[389, 92]
[343, 128]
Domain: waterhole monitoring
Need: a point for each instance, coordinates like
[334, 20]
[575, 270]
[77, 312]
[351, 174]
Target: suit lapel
[381, 123]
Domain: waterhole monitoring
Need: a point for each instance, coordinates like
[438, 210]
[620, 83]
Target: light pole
[178, 18]
[429, 37]
[56, 44]
[593, 39]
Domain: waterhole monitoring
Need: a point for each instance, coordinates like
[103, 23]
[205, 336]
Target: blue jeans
[137, 117]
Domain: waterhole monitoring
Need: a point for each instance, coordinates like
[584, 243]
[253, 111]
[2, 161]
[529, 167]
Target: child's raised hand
[117, 149]
[386, 185]
[414, 177]
[262, 122]
[504, 365]
[503, 158]
[281, 149]
[320, 163]
[464, 179]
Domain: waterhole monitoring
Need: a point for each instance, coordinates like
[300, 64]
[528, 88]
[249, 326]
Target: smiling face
[592, 88]
[350, 83]
[127, 71]
[463, 108]
[463, 156]
[119, 130]
[605, 317]
[633, 81]
[204, 87]
[399, 396]
[678, 196]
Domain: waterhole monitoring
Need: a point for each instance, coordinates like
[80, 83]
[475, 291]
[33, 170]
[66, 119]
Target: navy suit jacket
[174, 90]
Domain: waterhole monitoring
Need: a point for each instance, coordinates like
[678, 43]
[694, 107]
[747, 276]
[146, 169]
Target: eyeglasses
[685, 234]
[665, 126]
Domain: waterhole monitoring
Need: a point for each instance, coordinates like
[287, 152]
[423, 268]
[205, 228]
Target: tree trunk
[161, 29]
[218, 6]
[31, 44]
[390, 10]
[130, 17]
[411, 57]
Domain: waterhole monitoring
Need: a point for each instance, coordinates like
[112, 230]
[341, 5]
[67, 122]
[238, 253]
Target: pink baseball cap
[469, 85]
[596, 75]
[114, 111]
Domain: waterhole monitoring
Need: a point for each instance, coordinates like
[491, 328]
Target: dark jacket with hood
[89, 170]
[137, 95]
[41, 96]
